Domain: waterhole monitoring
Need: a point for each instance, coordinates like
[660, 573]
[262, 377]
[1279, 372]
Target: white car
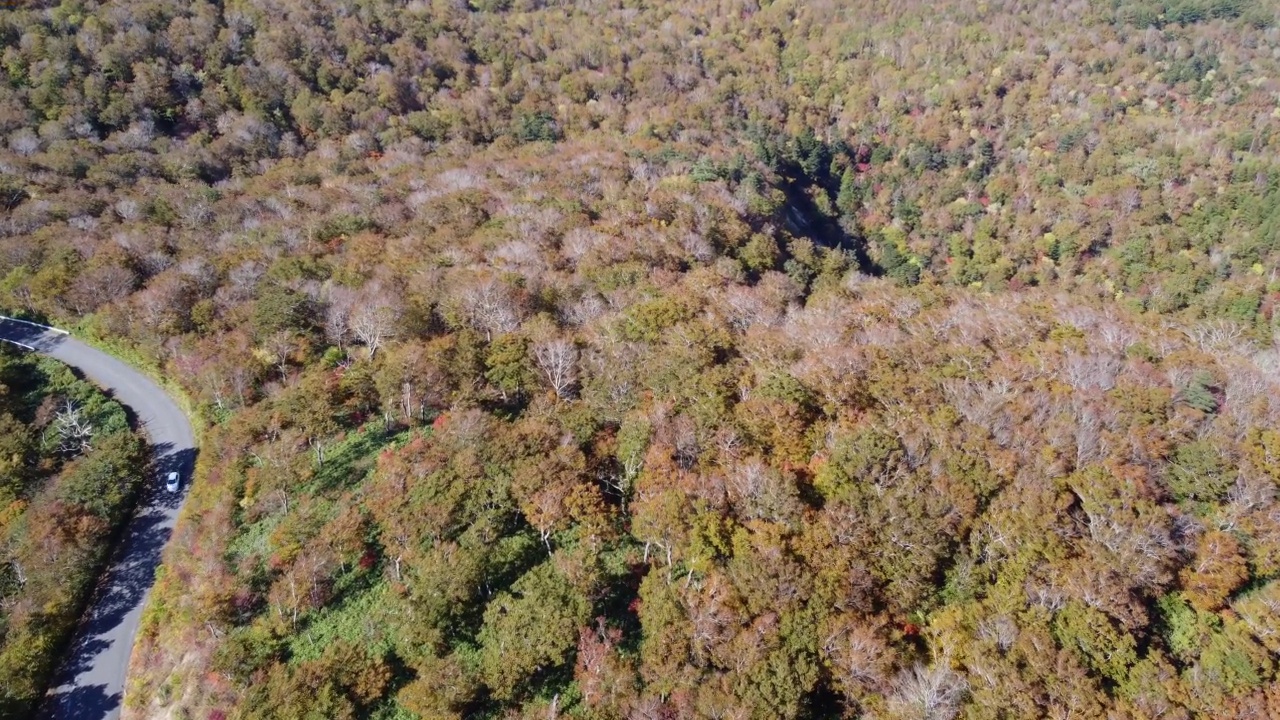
[171, 482]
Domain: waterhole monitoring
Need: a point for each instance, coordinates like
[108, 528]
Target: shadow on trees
[806, 163]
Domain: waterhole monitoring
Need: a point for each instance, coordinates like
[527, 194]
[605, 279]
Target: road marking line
[35, 324]
[15, 342]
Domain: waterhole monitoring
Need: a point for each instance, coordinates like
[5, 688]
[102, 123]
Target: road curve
[90, 683]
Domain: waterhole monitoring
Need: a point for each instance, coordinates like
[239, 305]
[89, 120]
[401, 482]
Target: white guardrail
[60, 331]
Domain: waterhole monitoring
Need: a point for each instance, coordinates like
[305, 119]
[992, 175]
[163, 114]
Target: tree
[339, 305]
[490, 307]
[1217, 570]
[847, 201]
[312, 407]
[665, 647]
[412, 379]
[1197, 393]
[1197, 471]
[546, 487]
[1260, 611]
[279, 310]
[607, 681]
[558, 361]
[632, 442]
[441, 690]
[1107, 649]
[17, 457]
[931, 692]
[858, 656]
[104, 481]
[759, 492]
[898, 265]
[278, 349]
[532, 629]
[75, 433]
[373, 325]
[508, 367]
[100, 285]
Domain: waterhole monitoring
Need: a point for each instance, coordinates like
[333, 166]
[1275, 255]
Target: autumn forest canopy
[707, 359]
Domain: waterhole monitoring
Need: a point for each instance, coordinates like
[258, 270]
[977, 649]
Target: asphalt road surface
[90, 684]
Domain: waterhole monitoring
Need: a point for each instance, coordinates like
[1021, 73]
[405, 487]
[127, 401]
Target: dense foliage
[69, 471]
[682, 359]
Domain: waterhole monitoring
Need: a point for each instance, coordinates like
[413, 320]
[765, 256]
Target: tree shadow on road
[90, 702]
[122, 590]
[101, 647]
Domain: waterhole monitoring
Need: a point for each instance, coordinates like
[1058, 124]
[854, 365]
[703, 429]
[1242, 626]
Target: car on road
[171, 482]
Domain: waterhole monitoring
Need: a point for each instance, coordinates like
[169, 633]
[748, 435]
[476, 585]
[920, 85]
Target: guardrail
[35, 324]
[23, 345]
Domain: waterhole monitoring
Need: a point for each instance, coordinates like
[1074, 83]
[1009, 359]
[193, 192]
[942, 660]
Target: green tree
[530, 630]
[848, 200]
[1197, 471]
[868, 456]
[280, 309]
[1107, 649]
[507, 366]
[103, 483]
[1198, 393]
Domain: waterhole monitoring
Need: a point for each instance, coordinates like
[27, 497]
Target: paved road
[90, 684]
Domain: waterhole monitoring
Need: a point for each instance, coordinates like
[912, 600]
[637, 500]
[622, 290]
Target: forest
[719, 359]
[70, 470]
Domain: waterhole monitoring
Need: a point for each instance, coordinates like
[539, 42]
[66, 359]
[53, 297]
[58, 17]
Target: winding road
[90, 684]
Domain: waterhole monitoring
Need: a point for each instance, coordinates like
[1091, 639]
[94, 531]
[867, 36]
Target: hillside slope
[725, 359]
